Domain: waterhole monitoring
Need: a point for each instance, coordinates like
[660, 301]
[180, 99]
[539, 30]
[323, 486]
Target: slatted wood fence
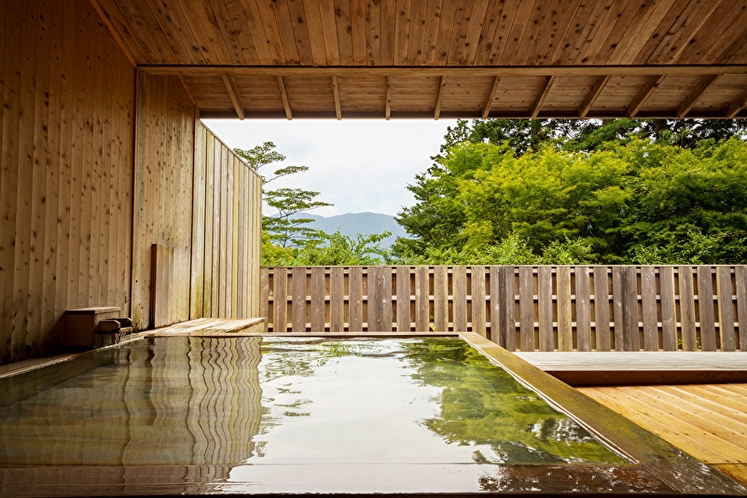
[565, 308]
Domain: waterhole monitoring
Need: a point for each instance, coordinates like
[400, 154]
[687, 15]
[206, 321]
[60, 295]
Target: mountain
[352, 224]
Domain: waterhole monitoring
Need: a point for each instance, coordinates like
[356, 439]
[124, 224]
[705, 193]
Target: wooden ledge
[581, 369]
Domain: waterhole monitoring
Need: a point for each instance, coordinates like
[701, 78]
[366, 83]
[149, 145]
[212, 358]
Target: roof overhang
[444, 58]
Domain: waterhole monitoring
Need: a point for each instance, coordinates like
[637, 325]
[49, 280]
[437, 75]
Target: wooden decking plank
[717, 436]
[737, 471]
[723, 395]
[740, 389]
[690, 440]
[640, 361]
[712, 402]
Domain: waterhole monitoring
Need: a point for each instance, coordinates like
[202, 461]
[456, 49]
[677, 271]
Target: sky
[357, 165]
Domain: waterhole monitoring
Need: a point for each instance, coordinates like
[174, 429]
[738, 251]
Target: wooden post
[583, 313]
[546, 336]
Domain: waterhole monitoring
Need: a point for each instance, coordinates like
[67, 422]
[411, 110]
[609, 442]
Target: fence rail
[565, 308]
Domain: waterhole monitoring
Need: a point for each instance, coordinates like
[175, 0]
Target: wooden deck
[581, 369]
[707, 421]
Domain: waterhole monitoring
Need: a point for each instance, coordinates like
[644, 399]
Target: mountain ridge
[352, 224]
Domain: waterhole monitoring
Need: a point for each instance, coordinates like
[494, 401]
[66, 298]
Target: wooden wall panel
[66, 177]
[164, 166]
[530, 308]
[226, 232]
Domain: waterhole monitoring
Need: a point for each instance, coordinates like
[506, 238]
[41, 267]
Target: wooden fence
[565, 308]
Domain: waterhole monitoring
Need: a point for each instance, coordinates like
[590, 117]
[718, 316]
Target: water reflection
[434, 400]
[190, 401]
[412, 415]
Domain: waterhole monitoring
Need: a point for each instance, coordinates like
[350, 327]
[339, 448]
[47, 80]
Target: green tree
[338, 249]
[284, 228]
[622, 200]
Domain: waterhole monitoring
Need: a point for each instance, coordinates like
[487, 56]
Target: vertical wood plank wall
[162, 197]
[226, 232]
[566, 308]
[98, 165]
[194, 195]
[66, 150]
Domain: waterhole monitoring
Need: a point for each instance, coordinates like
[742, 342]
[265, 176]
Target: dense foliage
[574, 192]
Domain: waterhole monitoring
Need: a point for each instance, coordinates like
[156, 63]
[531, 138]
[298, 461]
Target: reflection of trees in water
[483, 405]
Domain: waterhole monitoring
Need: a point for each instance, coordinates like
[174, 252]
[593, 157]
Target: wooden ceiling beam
[381, 72]
[541, 97]
[388, 110]
[491, 97]
[336, 91]
[234, 95]
[737, 105]
[643, 95]
[439, 98]
[284, 96]
[693, 96]
[593, 95]
[114, 32]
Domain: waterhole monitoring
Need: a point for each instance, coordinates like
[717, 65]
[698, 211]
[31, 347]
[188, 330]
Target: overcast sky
[357, 165]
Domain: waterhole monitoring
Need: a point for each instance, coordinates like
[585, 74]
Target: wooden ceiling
[444, 58]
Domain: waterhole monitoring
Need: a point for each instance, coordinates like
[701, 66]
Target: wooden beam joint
[593, 95]
[491, 97]
[336, 91]
[737, 105]
[284, 96]
[388, 110]
[693, 97]
[643, 95]
[439, 98]
[234, 95]
[549, 81]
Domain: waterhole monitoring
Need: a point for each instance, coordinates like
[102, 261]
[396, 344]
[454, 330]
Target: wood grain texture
[66, 175]
[665, 36]
[562, 308]
[583, 312]
[225, 199]
[704, 420]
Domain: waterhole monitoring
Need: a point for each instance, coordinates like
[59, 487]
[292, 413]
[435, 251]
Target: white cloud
[356, 165]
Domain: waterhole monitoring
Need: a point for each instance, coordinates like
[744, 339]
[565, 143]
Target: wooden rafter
[439, 98]
[186, 89]
[491, 97]
[737, 105]
[284, 95]
[643, 95]
[381, 72]
[593, 95]
[693, 96]
[549, 81]
[234, 95]
[115, 33]
[388, 113]
[336, 90]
